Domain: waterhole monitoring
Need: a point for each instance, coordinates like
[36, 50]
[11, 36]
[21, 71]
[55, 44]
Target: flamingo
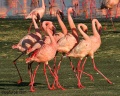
[43, 55]
[38, 12]
[109, 4]
[26, 42]
[81, 50]
[96, 42]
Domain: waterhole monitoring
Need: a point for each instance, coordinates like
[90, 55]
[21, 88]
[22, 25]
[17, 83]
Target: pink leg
[51, 88]
[30, 72]
[17, 67]
[78, 74]
[91, 77]
[54, 66]
[59, 64]
[19, 81]
[56, 78]
[32, 89]
[95, 68]
[112, 23]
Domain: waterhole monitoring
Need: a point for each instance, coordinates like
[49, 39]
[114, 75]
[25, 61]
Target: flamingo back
[81, 50]
[66, 43]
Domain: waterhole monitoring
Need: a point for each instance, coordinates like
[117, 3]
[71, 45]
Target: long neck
[43, 4]
[44, 25]
[51, 37]
[85, 36]
[35, 24]
[95, 32]
[62, 25]
[72, 25]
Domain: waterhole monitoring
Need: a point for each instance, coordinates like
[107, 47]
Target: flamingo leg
[32, 89]
[30, 71]
[78, 74]
[71, 64]
[109, 14]
[59, 64]
[112, 23]
[95, 68]
[54, 74]
[91, 77]
[50, 88]
[19, 81]
[105, 27]
[54, 66]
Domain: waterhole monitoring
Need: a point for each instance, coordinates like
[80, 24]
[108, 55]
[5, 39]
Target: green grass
[107, 59]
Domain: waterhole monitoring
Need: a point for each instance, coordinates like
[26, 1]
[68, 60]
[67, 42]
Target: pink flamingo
[109, 4]
[38, 44]
[81, 50]
[96, 42]
[42, 55]
[38, 12]
[26, 42]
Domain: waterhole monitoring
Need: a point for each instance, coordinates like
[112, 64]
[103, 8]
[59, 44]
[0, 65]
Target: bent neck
[62, 25]
[85, 36]
[35, 24]
[72, 25]
[95, 32]
[53, 42]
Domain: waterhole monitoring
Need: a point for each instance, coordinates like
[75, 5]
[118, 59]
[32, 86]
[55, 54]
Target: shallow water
[18, 11]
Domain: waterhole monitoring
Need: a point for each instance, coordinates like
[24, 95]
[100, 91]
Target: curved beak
[74, 13]
[100, 30]
[54, 30]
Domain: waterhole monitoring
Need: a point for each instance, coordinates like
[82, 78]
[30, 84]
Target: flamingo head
[100, 30]
[50, 25]
[60, 13]
[86, 31]
[71, 10]
[103, 6]
[53, 29]
[28, 16]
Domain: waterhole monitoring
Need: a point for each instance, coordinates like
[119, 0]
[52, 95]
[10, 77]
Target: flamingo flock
[44, 49]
